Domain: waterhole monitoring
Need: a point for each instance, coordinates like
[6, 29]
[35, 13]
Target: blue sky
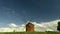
[20, 11]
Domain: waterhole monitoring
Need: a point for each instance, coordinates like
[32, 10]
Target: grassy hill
[29, 32]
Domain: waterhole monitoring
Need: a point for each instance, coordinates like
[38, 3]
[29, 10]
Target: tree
[58, 27]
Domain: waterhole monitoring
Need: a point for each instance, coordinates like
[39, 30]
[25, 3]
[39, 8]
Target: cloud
[16, 27]
[12, 25]
[6, 30]
[44, 26]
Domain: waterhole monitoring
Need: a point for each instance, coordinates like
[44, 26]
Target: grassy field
[30, 33]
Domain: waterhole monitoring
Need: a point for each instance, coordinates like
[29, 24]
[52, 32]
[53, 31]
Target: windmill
[26, 22]
[29, 20]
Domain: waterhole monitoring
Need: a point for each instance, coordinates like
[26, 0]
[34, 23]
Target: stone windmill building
[29, 27]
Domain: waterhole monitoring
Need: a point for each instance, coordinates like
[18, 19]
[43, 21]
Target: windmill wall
[30, 27]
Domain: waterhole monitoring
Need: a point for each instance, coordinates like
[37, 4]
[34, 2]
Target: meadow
[29, 32]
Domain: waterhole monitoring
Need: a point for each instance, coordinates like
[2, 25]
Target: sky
[21, 11]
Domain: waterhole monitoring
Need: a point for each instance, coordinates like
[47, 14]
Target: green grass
[29, 32]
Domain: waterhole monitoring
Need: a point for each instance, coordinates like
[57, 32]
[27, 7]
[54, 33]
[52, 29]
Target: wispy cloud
[12, 25]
